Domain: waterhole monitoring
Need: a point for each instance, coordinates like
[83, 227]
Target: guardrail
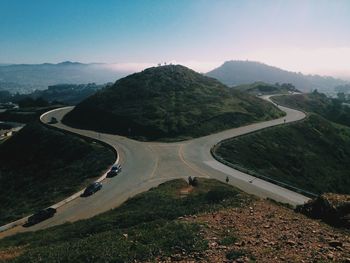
[260, 176]
[76, 195]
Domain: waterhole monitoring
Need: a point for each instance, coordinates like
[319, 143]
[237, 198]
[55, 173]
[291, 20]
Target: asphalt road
[148, 164]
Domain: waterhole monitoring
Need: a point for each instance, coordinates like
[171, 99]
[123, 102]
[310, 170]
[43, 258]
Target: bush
[235, 254]
[217, 195]
[193, 181]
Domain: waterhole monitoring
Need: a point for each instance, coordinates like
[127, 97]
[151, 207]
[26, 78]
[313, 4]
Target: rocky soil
[331, 208]
[267, 232]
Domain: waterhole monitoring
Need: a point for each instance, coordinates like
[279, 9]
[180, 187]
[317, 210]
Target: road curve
[148, 164]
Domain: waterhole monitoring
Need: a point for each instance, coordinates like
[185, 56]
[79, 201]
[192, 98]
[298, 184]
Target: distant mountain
[168, 102]
[25, 78]
[237, 72]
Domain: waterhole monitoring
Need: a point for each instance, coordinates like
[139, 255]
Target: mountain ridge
[238, 72]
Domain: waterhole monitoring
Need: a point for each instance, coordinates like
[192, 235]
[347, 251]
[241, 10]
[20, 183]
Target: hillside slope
[40, 166]
[234, 73]
[313, 155]
[331, 109]
[212, 222]
[261, 88]
[168, 102]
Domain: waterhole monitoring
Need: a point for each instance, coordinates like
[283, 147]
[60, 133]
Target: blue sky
[301, 35]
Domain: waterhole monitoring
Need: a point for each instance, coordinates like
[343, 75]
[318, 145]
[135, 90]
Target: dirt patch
[266, 232]
[185, 191]
[11, 253]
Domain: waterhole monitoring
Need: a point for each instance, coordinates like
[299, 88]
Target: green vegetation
[40, 166]
[229, 238]
[261, 88]
[168, 102]
[313, 154]
[143, 228]
[331, 109]
[26, 114]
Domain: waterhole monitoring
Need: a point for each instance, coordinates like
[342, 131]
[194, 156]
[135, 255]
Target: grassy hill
[143, 229]
[168, 102]
[214, 222]
[331, 109]
[40, 166]
[262, 88]
[313, 155]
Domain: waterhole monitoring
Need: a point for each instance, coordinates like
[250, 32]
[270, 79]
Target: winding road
[148, 164]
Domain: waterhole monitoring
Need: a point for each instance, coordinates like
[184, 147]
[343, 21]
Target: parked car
[115, 170]
[116, 167]
[41, 216]
[53, 120]
[92, 188]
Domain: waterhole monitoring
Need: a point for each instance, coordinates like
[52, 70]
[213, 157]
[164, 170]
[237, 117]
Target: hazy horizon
[301, 36]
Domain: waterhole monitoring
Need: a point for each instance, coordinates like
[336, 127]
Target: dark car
[53, 120]
[116, 167]
[92, 188]
[41, 216]
[115, 170]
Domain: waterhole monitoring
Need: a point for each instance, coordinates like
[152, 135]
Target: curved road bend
[147, 164]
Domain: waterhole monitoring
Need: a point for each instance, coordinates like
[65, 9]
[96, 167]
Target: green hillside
[168, 102]
[313, 155]
[40, 166]
[331, 109]
[143, 229]
[261, 88]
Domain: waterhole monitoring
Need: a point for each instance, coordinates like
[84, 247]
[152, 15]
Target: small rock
[330, 256]
[176, 257]
[213, 244]
[335, 243]
[291, 243]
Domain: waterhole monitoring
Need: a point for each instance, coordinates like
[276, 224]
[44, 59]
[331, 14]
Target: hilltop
[168, 102]
[238, 72]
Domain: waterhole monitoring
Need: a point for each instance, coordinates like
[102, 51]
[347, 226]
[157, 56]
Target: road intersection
[148, 164]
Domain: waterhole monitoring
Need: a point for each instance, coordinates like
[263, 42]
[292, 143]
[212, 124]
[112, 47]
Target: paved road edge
[73, 196]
